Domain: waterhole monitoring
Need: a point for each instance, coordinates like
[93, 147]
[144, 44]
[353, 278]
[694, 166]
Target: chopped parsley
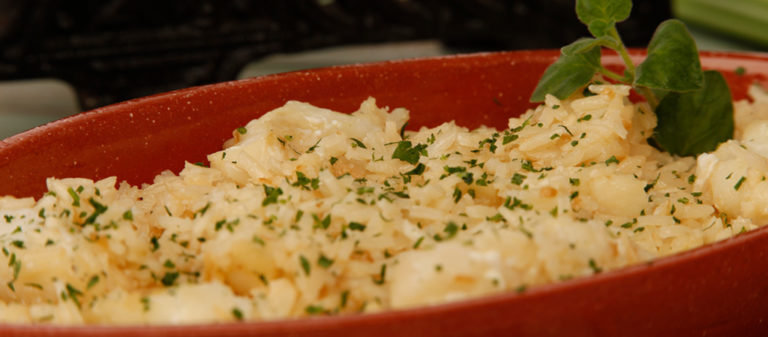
[408, 153]
[323, 223]
[169, 278]
[450, 229]
[382, 275]
[357, 143]
[513, 202]
[738, 183]
[459, 171]
[356, 226]
[304, 264]
[40, 287]
[324, 261]
[271, 195]
[344, 299]
[313, 147]
[650, 185]
[553, 212]
[496, 218]
[145, 303]
[595, 268]
[456, 195]
[155, 244]
[73, 293]
[418, 170]
[305, 183]
[483, 180]
[256, 239]
[418, 242]
[518, 178]
[75, 197]
[528, 166]
[14, 263]
[98, 209]
[199, 212]
[509, 138]
[314, 310]
[491, 143]
[92, 282]
[237, 314]
[402, 130]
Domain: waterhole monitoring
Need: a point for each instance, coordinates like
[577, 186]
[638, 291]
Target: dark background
[114, 50]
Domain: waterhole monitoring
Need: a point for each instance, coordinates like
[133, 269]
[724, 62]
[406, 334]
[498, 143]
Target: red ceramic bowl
[716, 290]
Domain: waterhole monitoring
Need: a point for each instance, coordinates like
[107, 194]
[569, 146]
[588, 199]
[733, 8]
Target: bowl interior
[138, 139]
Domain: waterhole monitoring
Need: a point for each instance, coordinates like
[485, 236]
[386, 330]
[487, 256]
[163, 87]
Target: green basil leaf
[585, 44]
[659, 94]
[569, 73]
[673, 60]
[600, 27]
[581, 45]
[694, 122]
[601, 15]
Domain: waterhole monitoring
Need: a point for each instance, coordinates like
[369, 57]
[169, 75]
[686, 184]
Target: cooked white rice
[306, 212]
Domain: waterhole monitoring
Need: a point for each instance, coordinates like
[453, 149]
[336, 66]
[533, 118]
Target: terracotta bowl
[716, 290]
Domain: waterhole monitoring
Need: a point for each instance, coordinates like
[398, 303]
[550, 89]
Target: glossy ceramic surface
[717, 290]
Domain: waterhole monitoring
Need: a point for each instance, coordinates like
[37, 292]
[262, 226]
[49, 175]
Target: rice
[307, 211]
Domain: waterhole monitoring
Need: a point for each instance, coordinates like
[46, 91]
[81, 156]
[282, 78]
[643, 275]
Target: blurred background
[58, 58]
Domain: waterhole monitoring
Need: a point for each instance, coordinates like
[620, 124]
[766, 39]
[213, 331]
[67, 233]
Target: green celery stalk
[746, 20]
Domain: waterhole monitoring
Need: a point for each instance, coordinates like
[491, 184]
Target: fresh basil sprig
[694, 108]
[686, 133]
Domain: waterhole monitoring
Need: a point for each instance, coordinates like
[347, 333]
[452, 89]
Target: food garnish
[693, 107]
